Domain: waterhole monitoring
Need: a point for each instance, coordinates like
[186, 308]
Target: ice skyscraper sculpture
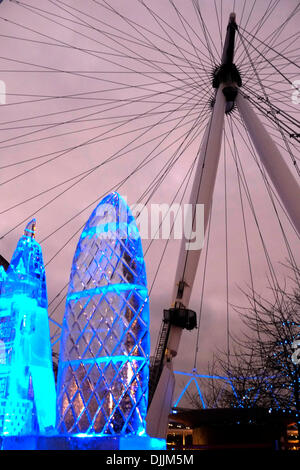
[104, 357]
[27, 386]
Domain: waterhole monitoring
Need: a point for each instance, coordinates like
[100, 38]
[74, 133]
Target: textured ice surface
[27, 387]
[105, 347]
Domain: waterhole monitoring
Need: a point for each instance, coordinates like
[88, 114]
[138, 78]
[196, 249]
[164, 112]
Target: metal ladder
[156, 361]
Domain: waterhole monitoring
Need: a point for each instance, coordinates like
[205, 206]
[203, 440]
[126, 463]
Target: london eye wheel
[105, 95]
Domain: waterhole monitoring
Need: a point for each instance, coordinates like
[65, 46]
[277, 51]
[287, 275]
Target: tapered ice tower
[104, 356]
[27, 387]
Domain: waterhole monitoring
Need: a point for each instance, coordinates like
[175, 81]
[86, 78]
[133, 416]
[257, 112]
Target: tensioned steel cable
[226, 249]
[189, 173]
[86, 172]
[272, 198]
[101, 31]
[191, 140]
[180, 186]
[81, 34]
[268, 101]
[256, 38]
[187, 176]
[86, 142]
[129, 118]
[85, 175]
[279, 30]
[245, 185]
[140, 166]
[252, 152]
[115, 187]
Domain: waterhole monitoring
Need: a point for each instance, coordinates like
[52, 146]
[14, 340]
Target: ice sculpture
[104, 357]
[27, 387]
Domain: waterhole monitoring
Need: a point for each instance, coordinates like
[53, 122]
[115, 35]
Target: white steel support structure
[227, 81]
[278, 171]
[202, 192]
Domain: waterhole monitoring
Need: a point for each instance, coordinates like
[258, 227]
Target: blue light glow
[108, 359]
[83, 441]
[185, 389]
[105, 289]
[112, 230]
[194, 377]
[105, 346]
[25, 351]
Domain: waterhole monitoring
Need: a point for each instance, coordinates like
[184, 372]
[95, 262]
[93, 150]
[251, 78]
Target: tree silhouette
[264, 361]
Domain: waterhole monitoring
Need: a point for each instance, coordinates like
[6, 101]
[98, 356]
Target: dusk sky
[115, 95]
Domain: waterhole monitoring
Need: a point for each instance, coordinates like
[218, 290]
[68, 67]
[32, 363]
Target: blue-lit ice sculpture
[27, 386]
[103, 367]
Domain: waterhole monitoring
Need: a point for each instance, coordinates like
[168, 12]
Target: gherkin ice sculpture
[104, 357]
